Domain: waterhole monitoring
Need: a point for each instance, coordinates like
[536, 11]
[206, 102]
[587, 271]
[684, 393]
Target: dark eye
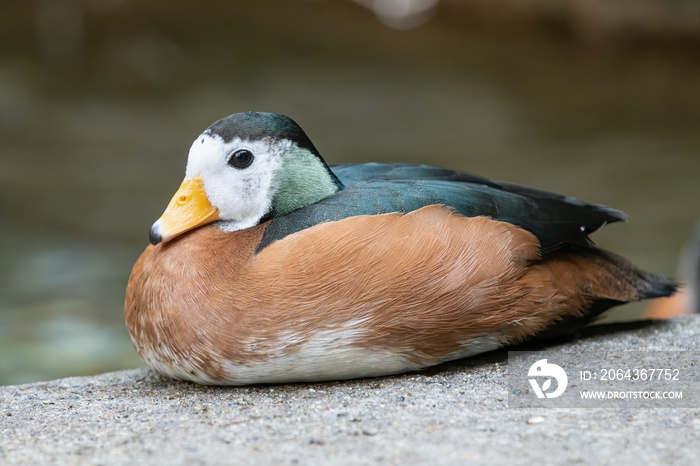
[241, 158]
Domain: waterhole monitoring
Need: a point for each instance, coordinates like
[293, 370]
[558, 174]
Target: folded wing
[372, 189]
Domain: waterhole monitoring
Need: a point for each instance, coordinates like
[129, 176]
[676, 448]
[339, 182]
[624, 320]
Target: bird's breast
[363, 296]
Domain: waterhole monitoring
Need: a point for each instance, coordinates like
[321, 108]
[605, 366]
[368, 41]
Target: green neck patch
[302, 180]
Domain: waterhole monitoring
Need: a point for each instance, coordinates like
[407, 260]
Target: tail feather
[658, 286]
[641, 284]
[604, 280]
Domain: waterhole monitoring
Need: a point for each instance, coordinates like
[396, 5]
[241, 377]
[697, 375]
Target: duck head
[245, 169]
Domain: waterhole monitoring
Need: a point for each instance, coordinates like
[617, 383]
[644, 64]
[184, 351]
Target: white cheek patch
[242, 196]
[205, 154]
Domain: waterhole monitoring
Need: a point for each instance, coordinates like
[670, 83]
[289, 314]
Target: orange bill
[188, 209]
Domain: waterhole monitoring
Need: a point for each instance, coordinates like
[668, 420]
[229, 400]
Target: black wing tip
[613, 215]
[609, 215]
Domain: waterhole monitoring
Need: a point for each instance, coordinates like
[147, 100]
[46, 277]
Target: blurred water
[98, 109]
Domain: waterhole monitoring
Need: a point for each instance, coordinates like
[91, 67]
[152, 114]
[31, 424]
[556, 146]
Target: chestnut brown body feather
[419, 287]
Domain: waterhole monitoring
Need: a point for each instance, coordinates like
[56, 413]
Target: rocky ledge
[452, 414]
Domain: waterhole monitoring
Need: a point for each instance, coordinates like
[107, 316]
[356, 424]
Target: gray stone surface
[456, 413]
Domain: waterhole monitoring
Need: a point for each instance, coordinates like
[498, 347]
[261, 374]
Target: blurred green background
[101, 99]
